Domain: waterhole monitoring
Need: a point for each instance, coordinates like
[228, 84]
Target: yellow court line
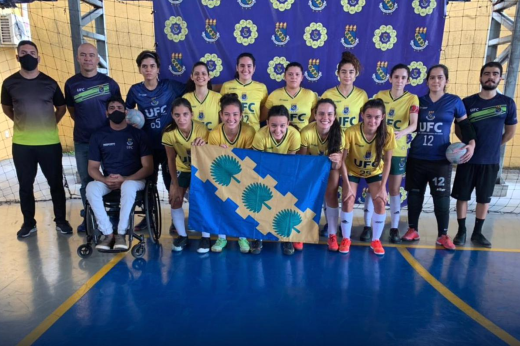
[63, 308]
[455, 300]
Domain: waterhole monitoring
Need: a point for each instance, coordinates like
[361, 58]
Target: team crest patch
[419, 41]
[431, 115]
[201, 116]
[391, 113]
[317, 5]
[154, 102]
[129, 143]
[210, 33]
[424, 7]
[346, 110]
[280, 37]
[313, 73]
[417, 73]
[385, 37]
[246, 3]
[276, 68]
[315, 35]
[294, 108]
[176, 29]
[368, 155]
[381, 74]
[350, 39]
[243, 98]
[177, 67]
[388, 6]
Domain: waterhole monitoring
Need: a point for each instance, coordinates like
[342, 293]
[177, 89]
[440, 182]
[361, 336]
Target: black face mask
[28, 62]
[117, 117]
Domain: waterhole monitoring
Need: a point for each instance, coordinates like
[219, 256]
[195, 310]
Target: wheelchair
[148, 203]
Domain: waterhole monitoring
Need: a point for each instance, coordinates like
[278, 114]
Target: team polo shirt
[347, 107]
[88, 96]
[361, 155]
[434, 127]
[182, 145]
[120, 151]
[252, 95]
[156, 106]
[243, 140]
[290, 143]
[300, 106]
[312, 141]
[488, 118]
[205, 111]
[33, 102]
[398, 115]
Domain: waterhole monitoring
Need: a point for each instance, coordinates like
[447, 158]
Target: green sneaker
[244, 245]
[219, 245]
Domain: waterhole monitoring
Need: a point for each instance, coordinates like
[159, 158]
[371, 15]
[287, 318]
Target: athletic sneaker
[298, 246]
[141, 226]
[244, 245]
[288, 248]
[120, 242]
[219, 245]
[446, 242]
[179, 243]
[106, 243]
[344, 247]
[377, 247]
[26, 231]
[82, 227]
[411, 235]
[333, 242]
[460, 238]
[394, 236]
[366, 235]
[204, 245]
[479, 239]
[63, 227]
[256, 246]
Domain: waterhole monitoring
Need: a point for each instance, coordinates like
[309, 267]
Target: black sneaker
[179, 243]
[256, 246]
[26, 231]
[479, 239]
[394, 236]
[288, 248]
[460, 238]
[64, 227]
[366, 235]
[141, 226]
[82, 227]
[204, 245]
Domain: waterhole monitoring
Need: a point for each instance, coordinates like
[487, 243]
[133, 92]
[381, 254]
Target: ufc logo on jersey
[80, 90]
[430, 127]
[154, 112]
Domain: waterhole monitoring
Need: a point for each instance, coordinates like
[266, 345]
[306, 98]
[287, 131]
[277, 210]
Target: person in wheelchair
[125, 154]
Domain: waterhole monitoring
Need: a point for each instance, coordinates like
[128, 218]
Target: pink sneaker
[333, 242]
[446, 242]
[411, 235]
[377, 247]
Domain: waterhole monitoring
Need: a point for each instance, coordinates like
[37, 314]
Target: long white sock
[395, 210]
[178, 221]
[369, 209]
[378, 224]
[346, 223]
[332, 218]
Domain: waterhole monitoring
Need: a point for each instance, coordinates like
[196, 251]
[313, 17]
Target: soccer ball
[454, 156]
[135, 118]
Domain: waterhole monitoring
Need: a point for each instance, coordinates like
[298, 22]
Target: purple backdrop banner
[381, 33]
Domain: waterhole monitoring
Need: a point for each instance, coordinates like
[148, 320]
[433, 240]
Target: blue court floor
[414, 295]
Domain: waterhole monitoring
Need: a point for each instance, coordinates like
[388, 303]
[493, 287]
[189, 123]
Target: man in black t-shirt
[35, 103]
[126, 156]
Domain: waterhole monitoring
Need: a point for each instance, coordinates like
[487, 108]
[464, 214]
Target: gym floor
[415, 294]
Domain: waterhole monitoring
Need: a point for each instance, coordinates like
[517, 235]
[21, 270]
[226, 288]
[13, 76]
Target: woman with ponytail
[232, 132]
[203, 100]
[368, 155]
[325, 137]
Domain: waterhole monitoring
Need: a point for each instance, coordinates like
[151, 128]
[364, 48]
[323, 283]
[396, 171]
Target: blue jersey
[120, 151]
[156, 106]
[434, 126]
[88, 96]
[488, 118]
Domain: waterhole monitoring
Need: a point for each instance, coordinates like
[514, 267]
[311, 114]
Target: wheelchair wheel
[84, 250]
[138, 250]
[153, 213]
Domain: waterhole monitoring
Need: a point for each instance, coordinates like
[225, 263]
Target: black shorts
[482, 178]
[184, 179]
[421, 172]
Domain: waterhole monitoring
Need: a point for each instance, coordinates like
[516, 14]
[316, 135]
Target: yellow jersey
[398, 115]
[362, 153]
[244, 139]
[300, 106]
[182, 145]
[207, 110]
[347, 107]
[252, 96]
[290, 143]
[312, 141]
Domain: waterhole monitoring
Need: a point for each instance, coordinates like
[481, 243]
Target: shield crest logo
[280, 37]
[210, 33]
